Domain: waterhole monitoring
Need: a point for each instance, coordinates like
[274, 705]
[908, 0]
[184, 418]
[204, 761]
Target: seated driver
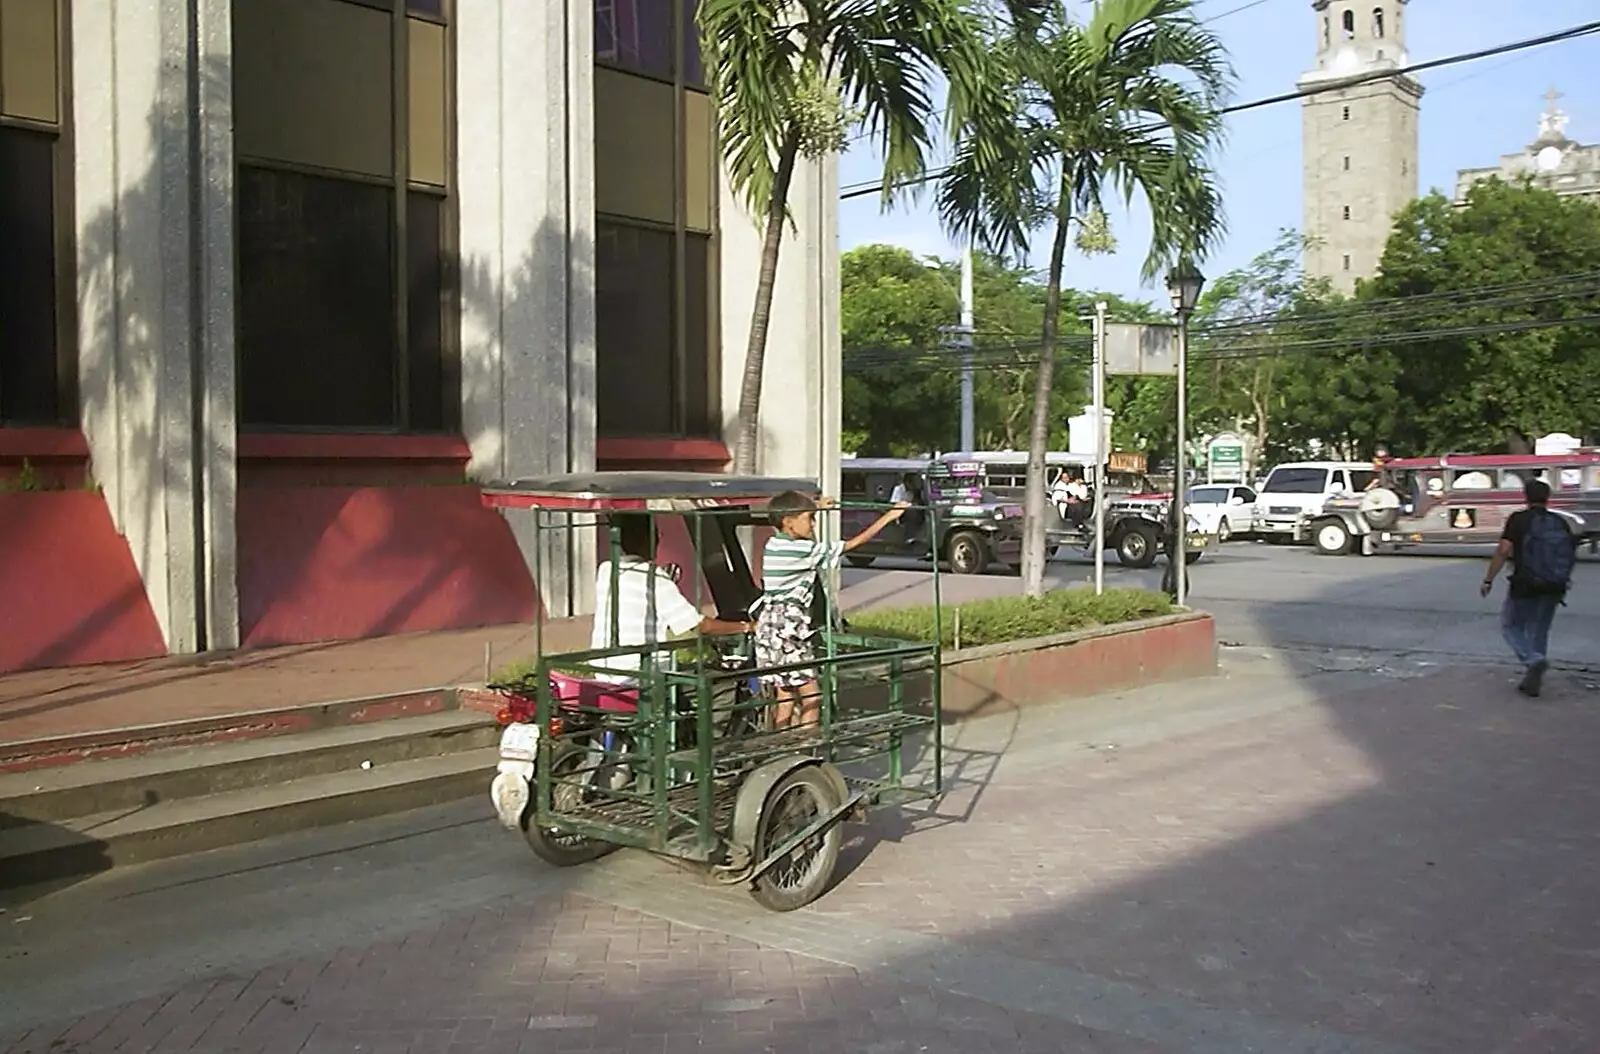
[635, 623]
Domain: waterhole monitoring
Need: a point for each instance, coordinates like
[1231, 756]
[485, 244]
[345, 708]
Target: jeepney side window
[1433, 484]
[1408, 486]
[853, 485]
[1473, 479]
[1510, 480]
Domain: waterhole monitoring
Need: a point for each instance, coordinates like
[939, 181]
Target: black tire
[1224, 532]
[555, 848]
[1137, 545]
[800, 799]
[1193, 558]
[967, 553]
[859, 561]
[1050, 553]
[1331, 537]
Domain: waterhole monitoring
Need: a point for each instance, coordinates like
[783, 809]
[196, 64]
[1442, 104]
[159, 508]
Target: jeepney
[1457, 499]
[974, 528]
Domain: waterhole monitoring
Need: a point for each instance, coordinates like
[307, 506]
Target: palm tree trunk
[1034, 523]
[748, 441]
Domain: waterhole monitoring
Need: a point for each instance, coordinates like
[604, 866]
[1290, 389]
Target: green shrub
[1014, 618]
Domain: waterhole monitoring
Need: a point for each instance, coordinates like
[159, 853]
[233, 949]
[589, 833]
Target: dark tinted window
[347, 307]
[1246, 493]
[1296, 481]
[429, 392]
[635, 35]
[1361, 479]
[634, 330]
[29, 386]
[1208, 495]
[699, 361]
[316, 299]
[694, 71]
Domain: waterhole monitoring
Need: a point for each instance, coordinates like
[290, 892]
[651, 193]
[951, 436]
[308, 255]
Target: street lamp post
[1184, 283]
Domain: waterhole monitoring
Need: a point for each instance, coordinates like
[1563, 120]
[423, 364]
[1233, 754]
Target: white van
[1291, 490]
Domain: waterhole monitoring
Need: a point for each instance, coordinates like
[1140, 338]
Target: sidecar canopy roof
[649, 491]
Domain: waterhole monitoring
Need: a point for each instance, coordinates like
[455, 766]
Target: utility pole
[968, 366]
[1098, 383]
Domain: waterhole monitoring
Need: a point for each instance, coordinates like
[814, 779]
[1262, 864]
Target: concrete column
[215, 440]
[525, 103]
[154, 255]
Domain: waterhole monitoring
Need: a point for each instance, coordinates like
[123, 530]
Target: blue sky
[1471, 114]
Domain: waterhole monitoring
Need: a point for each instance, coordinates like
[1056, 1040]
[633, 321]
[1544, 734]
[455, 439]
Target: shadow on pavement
[1357, 856]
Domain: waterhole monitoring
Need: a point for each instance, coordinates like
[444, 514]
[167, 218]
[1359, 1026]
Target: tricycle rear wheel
[558, 848]
[800, 799]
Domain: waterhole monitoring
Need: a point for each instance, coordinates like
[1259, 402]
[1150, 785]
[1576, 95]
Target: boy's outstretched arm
[877, 525]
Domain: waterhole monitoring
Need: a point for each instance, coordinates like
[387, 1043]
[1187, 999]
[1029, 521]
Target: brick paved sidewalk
[1382, 865]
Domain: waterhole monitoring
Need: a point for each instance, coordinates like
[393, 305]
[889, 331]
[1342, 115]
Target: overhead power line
[857, 190]
[1390, 321]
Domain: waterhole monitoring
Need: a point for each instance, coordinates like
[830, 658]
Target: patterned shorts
[784, 637]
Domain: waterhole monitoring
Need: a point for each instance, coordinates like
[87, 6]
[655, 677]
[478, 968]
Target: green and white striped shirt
[789, 568]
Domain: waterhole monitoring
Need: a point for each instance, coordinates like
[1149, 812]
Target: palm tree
[792, 77]
[1127, 102]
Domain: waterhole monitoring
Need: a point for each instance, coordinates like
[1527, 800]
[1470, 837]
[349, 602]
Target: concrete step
[71, 748]
[40, 852]
[91, 788]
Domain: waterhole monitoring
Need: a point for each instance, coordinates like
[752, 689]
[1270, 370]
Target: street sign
[1225, 460]
[1140, 350]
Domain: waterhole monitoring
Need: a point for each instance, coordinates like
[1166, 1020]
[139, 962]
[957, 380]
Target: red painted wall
[69, 591]
[339, 563]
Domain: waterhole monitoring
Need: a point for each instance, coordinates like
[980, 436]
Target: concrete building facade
[1359, 137]
[1553, 160]
[280, 279]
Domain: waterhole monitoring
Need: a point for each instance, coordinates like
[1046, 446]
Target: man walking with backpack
[1543, 551]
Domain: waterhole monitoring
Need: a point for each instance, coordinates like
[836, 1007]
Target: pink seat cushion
[575, 692]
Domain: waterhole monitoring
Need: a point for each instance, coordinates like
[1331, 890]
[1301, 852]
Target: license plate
[519, 742]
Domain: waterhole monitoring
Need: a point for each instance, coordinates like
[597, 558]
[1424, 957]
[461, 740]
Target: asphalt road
[1274, 596]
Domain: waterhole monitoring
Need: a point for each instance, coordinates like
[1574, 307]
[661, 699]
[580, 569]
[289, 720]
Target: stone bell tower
[1359, 146]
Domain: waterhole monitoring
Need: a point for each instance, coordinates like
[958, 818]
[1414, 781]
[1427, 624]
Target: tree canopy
[1481, 333]
[902, 383]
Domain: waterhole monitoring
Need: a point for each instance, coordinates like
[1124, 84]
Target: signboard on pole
[1141, 350]
[1225, 459]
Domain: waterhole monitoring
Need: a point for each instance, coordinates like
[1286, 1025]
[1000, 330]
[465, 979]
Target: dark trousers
[1525, 624]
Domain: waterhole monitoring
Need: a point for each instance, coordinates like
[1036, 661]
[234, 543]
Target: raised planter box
[998, 677]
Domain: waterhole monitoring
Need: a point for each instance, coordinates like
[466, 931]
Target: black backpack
[1548, 553]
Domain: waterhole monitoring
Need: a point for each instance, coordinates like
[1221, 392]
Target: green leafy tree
[790, 77]
[1127, 102]
[1474, 390]
[902, 383]
[892, 307]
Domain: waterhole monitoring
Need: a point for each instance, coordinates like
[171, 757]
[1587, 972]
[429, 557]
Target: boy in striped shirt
[791, 565]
